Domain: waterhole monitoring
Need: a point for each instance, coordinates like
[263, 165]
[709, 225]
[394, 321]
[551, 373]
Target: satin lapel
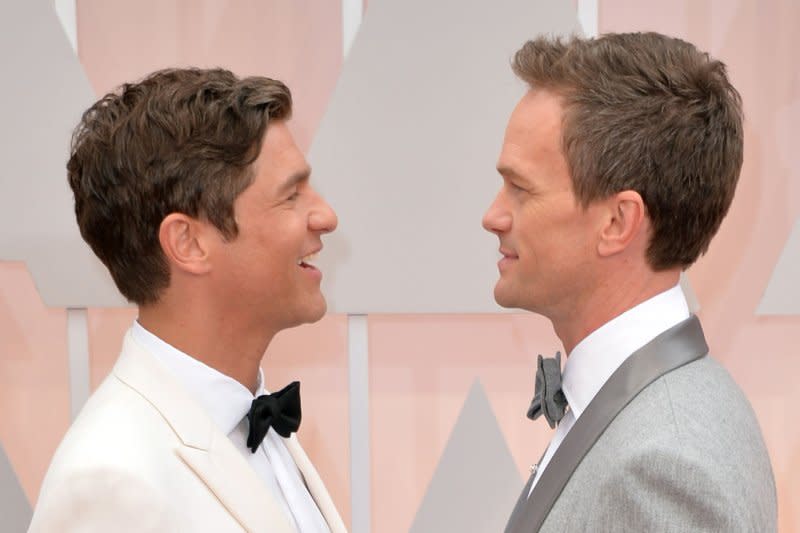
[522, 501]
[204, 448]
[315, 486]
[672, 349]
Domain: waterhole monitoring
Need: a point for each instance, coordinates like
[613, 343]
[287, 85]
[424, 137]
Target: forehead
[280, 158]
[533, 131]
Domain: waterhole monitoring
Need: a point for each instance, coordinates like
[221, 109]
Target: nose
[497, 218]
[322, 217]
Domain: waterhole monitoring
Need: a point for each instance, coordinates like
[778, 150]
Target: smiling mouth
[305, 261]
[507, 254]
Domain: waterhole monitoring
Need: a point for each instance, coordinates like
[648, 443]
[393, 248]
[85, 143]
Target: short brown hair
[180, 140]
[649, 113]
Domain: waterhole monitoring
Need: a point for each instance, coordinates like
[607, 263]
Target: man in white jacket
[189, 187]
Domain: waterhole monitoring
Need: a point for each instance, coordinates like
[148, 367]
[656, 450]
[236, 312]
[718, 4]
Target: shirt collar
[604, 350]
[224, 399]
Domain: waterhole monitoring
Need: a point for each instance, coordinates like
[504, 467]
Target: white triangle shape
[45, 92]
[782, 296]
[406, 152]
[476, 482]
[14, 507]
[691, 297]
[66, 11]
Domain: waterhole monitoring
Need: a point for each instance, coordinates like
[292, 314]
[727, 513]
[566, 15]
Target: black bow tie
[549, 399]
[279, 410]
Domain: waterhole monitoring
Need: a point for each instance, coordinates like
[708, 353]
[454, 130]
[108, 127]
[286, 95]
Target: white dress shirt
[227, 403]
[604, 350]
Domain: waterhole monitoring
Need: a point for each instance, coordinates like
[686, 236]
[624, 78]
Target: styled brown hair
[649, 113]
[180, 140]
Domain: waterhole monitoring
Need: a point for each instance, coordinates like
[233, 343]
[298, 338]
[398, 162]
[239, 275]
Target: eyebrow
[507, 172]
[295, 178]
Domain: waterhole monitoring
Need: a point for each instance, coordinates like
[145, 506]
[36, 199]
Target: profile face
[544, 232]
[267, 270]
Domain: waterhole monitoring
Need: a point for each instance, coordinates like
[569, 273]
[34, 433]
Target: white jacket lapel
[228, 475]
[204, 448]
[315, 486]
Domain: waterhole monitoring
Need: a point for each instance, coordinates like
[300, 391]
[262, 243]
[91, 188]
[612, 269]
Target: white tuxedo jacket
[143, 456]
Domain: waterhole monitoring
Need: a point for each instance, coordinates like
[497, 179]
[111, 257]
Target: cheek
[277, 240]
[550, 242]
[536, 232]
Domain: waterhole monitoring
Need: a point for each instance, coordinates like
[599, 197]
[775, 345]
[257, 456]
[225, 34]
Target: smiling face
[547, 240]
[264, 274]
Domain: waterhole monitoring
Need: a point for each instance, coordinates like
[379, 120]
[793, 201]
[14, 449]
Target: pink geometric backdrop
[429, 362]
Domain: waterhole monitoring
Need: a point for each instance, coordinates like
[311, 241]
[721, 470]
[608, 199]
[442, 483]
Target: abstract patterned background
[424, 367]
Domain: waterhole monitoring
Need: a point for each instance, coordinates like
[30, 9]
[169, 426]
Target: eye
[294, 196]
[513, 187]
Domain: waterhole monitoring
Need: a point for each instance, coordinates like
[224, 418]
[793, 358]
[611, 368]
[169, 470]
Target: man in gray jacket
[618, 166]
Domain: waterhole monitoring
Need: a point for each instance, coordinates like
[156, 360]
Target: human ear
[624, 220]
[183, 240]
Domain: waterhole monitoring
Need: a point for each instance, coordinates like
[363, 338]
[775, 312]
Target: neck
[609, 300]
[222, 342]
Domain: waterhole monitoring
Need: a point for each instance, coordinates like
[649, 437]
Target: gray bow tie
[549, 399]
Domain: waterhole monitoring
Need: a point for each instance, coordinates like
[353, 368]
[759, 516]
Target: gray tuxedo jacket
[669, 444]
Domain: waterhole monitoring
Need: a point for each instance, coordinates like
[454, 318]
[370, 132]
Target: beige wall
[34, 377]
[425, 364]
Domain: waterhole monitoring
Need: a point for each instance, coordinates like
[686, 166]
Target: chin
[504, 297]
[316, 311]
[511, 297]
[316, 317]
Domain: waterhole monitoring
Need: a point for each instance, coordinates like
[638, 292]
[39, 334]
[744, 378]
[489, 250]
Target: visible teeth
[308, 259]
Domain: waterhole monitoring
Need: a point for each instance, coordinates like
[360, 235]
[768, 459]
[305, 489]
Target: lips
[508, 254]
[309, 270]
[507, 260]
[306, 260]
